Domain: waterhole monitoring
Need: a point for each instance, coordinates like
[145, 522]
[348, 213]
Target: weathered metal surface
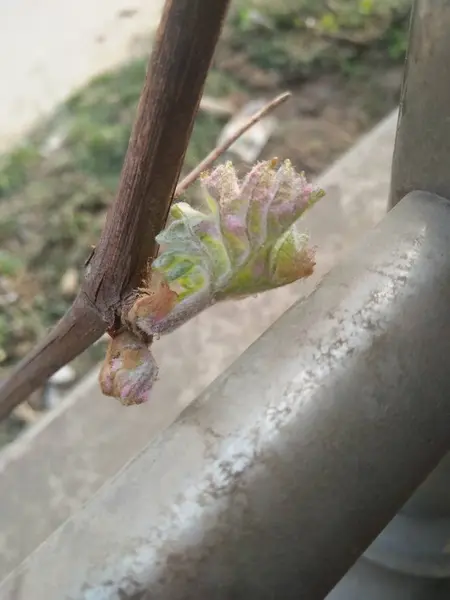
[368, 581]
[282, 473]
[422, 146]
[417, 541]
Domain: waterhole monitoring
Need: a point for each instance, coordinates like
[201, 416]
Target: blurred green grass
[297, 38]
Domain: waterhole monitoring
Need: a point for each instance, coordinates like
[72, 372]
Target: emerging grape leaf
[242, 241]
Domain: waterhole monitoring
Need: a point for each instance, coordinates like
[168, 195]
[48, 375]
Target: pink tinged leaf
[208, 255]
[291, 258]
[293, 196]
[196, 236]
[221, 189]
[222, 186]
[183, 312]
[153, 303]
[210, 235]
[129, 370]
[160, 309]
[255, 190]
[194, 294]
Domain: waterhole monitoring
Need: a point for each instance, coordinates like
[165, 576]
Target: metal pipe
[422, 146]
[416, 542]
[275, 481]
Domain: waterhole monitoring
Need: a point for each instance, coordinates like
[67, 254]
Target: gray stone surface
[55, 468]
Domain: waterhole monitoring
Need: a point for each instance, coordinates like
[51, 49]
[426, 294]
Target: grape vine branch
[178, 66]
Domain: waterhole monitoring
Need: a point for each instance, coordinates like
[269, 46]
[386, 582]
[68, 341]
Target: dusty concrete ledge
[50, 472]
[49, 48]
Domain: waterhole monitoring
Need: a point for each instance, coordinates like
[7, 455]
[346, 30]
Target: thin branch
[185, 43]
[214, 155]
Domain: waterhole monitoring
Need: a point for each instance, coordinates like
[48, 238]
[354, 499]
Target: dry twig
[219, 150]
